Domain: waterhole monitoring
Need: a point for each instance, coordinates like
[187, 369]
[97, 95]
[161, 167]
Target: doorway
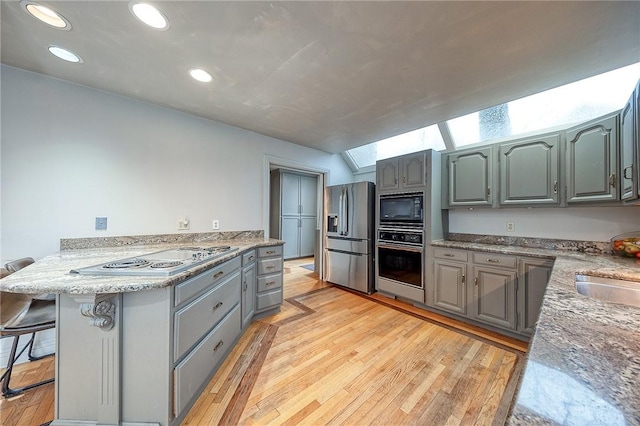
[293, 207]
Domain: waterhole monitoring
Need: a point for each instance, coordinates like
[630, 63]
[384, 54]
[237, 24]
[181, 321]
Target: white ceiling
[329, 75]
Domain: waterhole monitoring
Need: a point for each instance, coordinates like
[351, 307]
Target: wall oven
[399, 262]
[401, 210]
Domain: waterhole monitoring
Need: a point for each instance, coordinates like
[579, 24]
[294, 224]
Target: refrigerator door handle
[340, 216]
[345, 212]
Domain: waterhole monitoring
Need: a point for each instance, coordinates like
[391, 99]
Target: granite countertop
[583, 362]
[51, 274]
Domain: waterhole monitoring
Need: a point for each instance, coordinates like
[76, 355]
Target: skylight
[572, 103]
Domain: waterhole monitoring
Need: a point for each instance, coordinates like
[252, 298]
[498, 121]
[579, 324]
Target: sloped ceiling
[329, 75]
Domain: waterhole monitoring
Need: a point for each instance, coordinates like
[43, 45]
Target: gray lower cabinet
[592, 161]
[450, 276]
[469, 174]
[165, 343]
[494, 300]
[248, 287]
[501, 291]
[269, 292]
[529, 171]
[533, 277]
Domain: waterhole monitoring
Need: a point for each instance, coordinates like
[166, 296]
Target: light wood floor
[336, 357]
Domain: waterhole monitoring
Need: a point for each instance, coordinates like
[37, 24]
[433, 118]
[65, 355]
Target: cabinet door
[637, 137]
[532, 282]
[592, 156]
[387, 174]
[470, 178]
[290, 227]
[494, 299]
[308, 196]
[307, 236]
[290, 194]
[248, 294]
[628, 177]
[449, 292]
[529, 171]
[413, 171]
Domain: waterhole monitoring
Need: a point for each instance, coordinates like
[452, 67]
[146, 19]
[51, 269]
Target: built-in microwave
[401, 209]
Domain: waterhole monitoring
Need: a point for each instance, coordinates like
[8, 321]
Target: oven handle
[400, 247]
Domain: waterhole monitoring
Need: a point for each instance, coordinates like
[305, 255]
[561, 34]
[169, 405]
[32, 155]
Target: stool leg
[12, 358]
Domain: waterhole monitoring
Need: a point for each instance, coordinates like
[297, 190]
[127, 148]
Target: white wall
[71, 153]
[572, 223]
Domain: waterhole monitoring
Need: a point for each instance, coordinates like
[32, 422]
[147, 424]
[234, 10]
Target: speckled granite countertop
[51, 274]
[583, 363]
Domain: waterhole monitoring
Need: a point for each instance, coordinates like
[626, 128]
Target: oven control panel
[400, 236]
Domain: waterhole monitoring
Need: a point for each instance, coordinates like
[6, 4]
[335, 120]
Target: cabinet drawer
[269, 266]
[450, 254]
[196, 319]
[500, 260]
[269, 251]
[269, 300]
[192, 287]
[269, 282]
[248, 257]
[192, 374]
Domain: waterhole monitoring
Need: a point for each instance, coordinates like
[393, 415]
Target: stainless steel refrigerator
[349, 235]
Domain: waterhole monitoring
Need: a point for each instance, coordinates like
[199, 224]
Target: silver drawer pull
[251, 258]
[270, 283]
[218, 305]
[271, 252]
[448, 255]
[218, 275]
[218, 346]
[271, 266]
[493, 261]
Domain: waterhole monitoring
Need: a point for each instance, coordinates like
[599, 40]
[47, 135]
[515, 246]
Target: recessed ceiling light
[46, 15]
[65, 54]
[149, 15]
[200, 75]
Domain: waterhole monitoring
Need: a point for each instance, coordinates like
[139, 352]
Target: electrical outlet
[101, 223]
[511, 226]
[183, 224]
[216, 224]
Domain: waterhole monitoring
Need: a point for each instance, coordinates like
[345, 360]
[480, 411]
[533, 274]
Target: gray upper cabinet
[592, 161]
[470, 177]
[293, 212]
[529, 171]
[628, 154]
[404, 173]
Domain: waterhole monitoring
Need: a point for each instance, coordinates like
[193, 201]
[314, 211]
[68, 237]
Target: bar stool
[22, 314]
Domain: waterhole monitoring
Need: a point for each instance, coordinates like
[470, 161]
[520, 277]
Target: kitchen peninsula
[140, 349]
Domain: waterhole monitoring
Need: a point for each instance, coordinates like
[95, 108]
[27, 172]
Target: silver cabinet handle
[271, 252]
[612, 180]
[624, 172]
[251, 258]
[476, 282]
[448, 255]
[271, 266]
[493, 261]
[463, 279]
[270, 283]
[218, 346]
[217, 305]
[555, 187]
[218, 275]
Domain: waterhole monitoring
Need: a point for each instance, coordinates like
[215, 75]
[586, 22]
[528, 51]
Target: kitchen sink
[609, 290]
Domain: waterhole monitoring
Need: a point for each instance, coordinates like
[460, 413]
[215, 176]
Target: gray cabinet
[529, 171]
[628, 150]
[592, 161]
[501, 292]
[470, 177]
[450, 276]
[293, 212]
[248, 287]
[269, 292]
[403, 173]
[533, 277]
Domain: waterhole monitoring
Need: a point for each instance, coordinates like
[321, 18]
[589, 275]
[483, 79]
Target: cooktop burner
[161, 263]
